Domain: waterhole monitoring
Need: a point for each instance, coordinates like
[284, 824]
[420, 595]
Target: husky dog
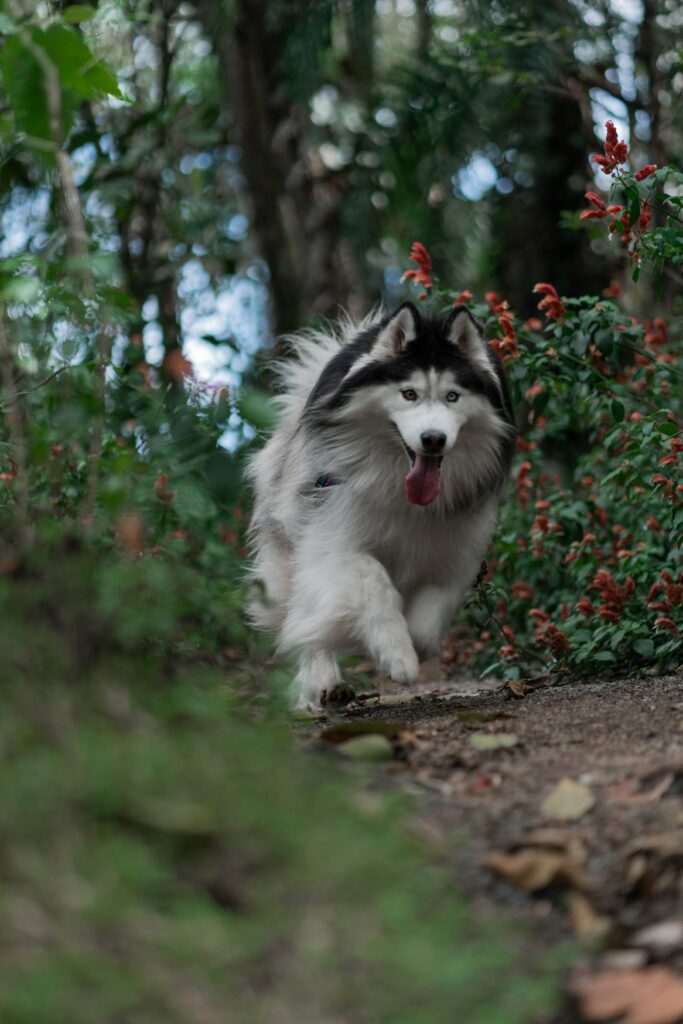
[377, 495]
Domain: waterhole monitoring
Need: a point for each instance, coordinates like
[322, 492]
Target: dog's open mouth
[423, 482]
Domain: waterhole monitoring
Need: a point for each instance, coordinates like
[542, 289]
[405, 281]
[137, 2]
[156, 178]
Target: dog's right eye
[409, 395]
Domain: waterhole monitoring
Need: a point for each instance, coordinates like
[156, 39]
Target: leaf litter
[582, 819]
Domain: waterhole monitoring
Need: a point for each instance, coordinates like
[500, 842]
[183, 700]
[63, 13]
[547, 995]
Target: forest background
[179, 186]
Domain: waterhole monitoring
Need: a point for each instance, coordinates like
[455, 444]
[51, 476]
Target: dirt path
[610, 869]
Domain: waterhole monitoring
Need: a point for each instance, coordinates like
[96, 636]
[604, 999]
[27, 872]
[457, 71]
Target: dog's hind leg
[428, 616]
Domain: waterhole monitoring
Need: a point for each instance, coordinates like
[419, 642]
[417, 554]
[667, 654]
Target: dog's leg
[349, 601]
[379, 621]
[428, 616]
[317, 681]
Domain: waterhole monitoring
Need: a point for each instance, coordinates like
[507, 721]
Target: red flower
[613, 291]
[551, 302]
[668, 624]
[463, 298]
[585, 606]
[522, 590]
[12, 472]
[645, 216]
[176, 366]
[423, 276]
[616, 152]
[599, 204]
[645, 172]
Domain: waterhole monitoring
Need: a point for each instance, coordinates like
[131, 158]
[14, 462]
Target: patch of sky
[475, 179]
[235, 319]
[22, 220]
[324, 105]
[386, 118]
[630, 10]
[237, 227]
[83, 160]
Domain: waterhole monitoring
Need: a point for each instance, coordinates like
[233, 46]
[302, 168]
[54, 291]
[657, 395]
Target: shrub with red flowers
[630, 217]
[585, 574]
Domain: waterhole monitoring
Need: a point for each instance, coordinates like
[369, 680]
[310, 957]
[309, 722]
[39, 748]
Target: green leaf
[604, 656]
[645, 647]
[618, 411]
[256, 407]
[77, 13]
[668, 428]
[79, 70]
[21, 289]
[634, 211]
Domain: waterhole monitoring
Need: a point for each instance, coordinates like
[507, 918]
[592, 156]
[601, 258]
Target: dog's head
[432, 380]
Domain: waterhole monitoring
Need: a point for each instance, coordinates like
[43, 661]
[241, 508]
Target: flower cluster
[423, 275]
[628, 224]
[589, 532]
[505, 346]
[551, 302]
[616, 152]
[612, 595]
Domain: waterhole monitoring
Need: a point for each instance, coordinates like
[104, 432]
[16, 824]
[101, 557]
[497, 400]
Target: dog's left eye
[409, 395]
[452, 396]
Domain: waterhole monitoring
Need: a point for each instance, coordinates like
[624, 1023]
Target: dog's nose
[432, 442]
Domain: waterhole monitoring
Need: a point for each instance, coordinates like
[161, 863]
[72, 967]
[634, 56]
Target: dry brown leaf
[653, 995]
[533, 869]
[569, 800]
[630, 791]
[517, 687]
[586, 921]
[663, 937]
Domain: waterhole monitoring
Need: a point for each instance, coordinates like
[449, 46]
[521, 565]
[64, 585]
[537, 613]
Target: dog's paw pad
[338, 696]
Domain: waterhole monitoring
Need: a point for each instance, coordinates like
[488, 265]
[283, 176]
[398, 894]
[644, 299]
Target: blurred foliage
[178, 183]
[585, 577]
[168, 855]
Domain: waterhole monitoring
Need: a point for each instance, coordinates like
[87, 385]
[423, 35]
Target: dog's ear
[462, 330]
[398, 331]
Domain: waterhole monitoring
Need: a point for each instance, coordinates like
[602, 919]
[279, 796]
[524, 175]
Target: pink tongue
[424, 481]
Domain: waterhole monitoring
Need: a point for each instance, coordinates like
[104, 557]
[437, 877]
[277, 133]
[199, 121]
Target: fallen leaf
[494, 740]
[368, 748]
[533, 869]
[586, 921]
[663, 937]
[654, 864]
[630, 791]
[568, 801]
[623, 959]
[653, 995]
[342, 732]
[517, 687]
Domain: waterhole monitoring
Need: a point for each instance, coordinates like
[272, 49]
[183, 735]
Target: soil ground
[607, 874]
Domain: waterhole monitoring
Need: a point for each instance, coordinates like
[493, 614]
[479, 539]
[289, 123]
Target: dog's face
[426, 380]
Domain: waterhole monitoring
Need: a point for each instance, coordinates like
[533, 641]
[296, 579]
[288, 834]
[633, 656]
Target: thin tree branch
[78, 241]
[16, 432]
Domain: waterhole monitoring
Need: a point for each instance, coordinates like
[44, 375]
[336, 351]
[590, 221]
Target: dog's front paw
[338, 696]
[400, 664]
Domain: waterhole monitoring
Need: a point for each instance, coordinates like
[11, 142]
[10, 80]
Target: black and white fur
[345, 561]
